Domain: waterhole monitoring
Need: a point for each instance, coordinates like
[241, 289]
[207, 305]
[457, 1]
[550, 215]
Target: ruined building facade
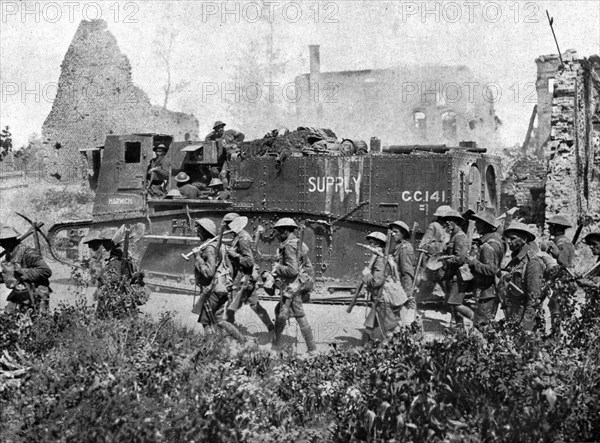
[433, 104]
[96, 96]
[558, 170]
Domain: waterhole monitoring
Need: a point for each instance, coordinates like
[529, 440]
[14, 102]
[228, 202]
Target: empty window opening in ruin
[420, 122]
[491, 196]
[551, 81]
[133, 152]
[449, 124]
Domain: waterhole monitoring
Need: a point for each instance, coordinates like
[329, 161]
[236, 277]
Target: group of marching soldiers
[482, 272]
[217, 266]
[446, 259]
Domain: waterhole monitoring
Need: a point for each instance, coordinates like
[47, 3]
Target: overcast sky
[498, 41]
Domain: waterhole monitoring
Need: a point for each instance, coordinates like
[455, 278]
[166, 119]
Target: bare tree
[163, 48]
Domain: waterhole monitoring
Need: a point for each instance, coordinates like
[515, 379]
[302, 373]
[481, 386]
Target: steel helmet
[8, 232]
[285, 222]
[93, 235]
[182, 177]
[208, 225]
[486, 217]
[520, 228]
[174, 193]
[400, 224]
[378, 236]
[160, 146]
[442, 211]
[238, 224]
[230, 216]
[453, 215]
[592, 237]
[218, 123]
[560, 221]
[215, 182]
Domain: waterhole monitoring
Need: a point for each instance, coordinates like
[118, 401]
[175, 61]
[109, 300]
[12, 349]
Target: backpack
[392, 291]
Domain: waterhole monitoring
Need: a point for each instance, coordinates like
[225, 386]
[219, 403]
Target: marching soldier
[485, 265]
[524, 278]
[457, 249]
[158, 172]
[433, 243]
[561, 247]
[25, 272]
[212, 276]
[563, 251]
[435, 238]
[242, 261]
[294, 273]
[404, 257]
[381, 314]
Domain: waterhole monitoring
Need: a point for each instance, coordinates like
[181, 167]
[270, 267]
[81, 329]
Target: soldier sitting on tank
[217, 190]
[212, 271]
[187, 190]
[26, 273]
[158, 172]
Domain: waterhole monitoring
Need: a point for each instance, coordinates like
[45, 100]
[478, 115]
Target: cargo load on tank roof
[303, 141]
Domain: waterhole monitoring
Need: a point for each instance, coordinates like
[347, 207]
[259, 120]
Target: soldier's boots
[279, 327]
[307, 333]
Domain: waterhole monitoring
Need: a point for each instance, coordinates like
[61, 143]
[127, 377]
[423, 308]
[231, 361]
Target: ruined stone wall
[573, 182]
[96, 97]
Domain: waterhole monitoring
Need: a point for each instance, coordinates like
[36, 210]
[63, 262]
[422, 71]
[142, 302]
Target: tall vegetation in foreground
[84, 378]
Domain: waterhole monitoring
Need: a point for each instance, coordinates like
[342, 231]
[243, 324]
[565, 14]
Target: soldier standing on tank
[485, 266]
[208, 262]
[158, 172]
[458, 250]
[294, 276]
[229, 146]
[242, 262]
[381, 314]
[25, 272]
[524, 278]
[404, 257]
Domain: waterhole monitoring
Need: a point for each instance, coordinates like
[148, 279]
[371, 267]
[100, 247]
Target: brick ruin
[558, 168]
[96, 96]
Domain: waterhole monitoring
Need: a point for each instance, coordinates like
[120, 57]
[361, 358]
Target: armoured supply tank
[337, 198]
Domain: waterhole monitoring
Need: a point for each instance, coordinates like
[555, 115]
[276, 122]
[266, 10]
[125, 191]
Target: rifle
[125, 261]
[204, 294]
[577, 233]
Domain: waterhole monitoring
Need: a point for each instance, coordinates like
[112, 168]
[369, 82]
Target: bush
[135, 379]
